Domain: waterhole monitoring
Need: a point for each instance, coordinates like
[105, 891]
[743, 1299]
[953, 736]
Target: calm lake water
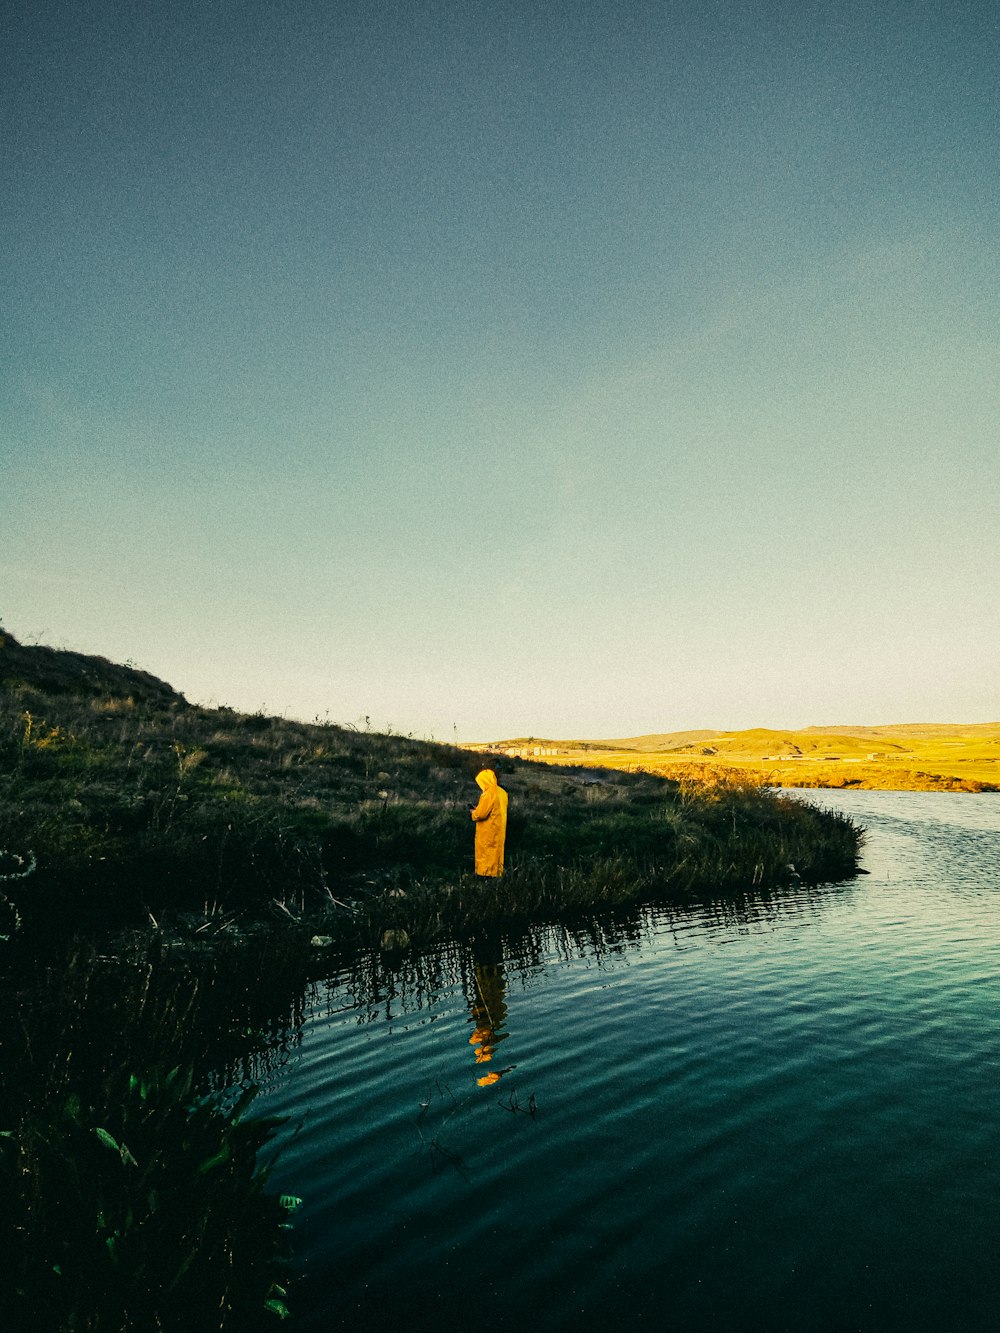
[776, 1113]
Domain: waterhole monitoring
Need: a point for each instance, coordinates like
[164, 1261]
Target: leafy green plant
[133, 1197]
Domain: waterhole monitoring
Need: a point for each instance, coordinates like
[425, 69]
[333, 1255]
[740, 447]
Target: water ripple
[775, 1112]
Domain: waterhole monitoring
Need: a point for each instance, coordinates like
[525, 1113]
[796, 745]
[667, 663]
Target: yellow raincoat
[490, 817]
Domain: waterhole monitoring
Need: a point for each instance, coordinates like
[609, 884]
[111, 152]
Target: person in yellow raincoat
[490, 819]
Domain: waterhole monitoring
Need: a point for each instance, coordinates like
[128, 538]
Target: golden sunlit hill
[920, 756]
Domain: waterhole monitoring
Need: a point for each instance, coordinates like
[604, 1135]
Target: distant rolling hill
[668, 740]
[919, 729]
[908, 756]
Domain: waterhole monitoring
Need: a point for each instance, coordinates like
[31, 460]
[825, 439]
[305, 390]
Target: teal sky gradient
[499, 368]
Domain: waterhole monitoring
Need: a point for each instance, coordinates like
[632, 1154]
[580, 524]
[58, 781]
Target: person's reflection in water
[488, 1006]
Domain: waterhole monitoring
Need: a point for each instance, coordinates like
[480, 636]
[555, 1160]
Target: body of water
[773, 1113]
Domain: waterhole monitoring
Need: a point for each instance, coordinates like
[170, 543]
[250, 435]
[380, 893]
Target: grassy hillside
[130, 802]
[59, 671]
[913, 756]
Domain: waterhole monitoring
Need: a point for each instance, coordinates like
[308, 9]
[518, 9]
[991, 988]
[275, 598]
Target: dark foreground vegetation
[168, 871]
[133, 1191]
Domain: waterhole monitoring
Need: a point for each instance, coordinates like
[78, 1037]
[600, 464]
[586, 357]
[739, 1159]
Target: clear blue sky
[508, 368]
